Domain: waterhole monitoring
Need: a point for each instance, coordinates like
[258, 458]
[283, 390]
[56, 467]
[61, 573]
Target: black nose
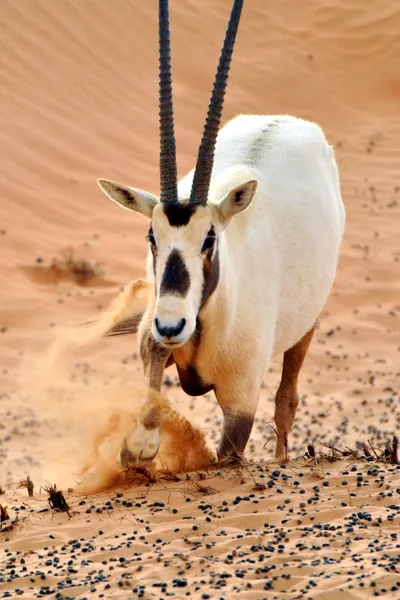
[170, 332]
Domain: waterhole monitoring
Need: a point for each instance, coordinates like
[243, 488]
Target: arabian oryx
[243, 254]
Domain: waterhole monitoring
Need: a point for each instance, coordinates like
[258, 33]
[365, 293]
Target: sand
[79, 102]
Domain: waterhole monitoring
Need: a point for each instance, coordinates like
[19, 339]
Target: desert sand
[79, 102]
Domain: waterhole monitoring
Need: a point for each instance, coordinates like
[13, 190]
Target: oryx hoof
[141, 445]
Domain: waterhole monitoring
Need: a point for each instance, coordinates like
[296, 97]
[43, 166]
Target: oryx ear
[237, 200]
[128, 197]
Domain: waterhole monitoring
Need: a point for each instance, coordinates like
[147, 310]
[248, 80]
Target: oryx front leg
[239, 411]
[287, 398]
[143, 442]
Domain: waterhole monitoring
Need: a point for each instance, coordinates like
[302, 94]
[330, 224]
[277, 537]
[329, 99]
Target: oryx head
[183, 234]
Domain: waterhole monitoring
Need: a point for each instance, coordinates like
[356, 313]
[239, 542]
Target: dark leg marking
[176, 278]
[287, 398]
[235, 434]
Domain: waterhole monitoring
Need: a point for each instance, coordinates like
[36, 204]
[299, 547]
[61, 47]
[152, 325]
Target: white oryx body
[244, 252]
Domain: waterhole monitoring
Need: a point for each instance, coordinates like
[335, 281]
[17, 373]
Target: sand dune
[78, 102]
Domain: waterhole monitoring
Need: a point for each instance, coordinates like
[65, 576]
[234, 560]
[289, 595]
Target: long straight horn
[168, 169]
[205, 158]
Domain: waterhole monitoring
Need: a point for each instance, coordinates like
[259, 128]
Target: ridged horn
[168, 168]
[205, 157]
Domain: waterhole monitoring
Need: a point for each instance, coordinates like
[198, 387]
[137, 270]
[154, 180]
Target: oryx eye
[209, 242]
[150, 237]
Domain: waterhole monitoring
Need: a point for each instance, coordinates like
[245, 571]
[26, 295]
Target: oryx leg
[287, 398]
[143, 442]
[239, 411]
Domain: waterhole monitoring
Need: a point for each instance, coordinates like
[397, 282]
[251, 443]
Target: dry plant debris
[167, 476]
[82, 270]
[28, 484]
[4, 516]
[392, 453]
[310, 451]
[203, 489]
[139, 474]
[369, 453]
[56, 499]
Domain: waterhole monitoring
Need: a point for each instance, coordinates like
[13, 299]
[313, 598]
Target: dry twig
[3, 513]
[310, 451]
[28, 484]
[167, 476]
[56, 499]
[392, 453]
[139, 472]
[203, 489]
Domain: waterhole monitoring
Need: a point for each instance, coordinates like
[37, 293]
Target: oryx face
[184, 253]
[184, 248]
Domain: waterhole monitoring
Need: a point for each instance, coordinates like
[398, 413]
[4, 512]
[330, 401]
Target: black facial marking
[176, 278]
[153, 248]
[151, 238]
[129, 197]
[178, 214]
[209, 242]
[210, 276]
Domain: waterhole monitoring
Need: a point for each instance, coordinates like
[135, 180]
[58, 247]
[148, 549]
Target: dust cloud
[86, 417]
